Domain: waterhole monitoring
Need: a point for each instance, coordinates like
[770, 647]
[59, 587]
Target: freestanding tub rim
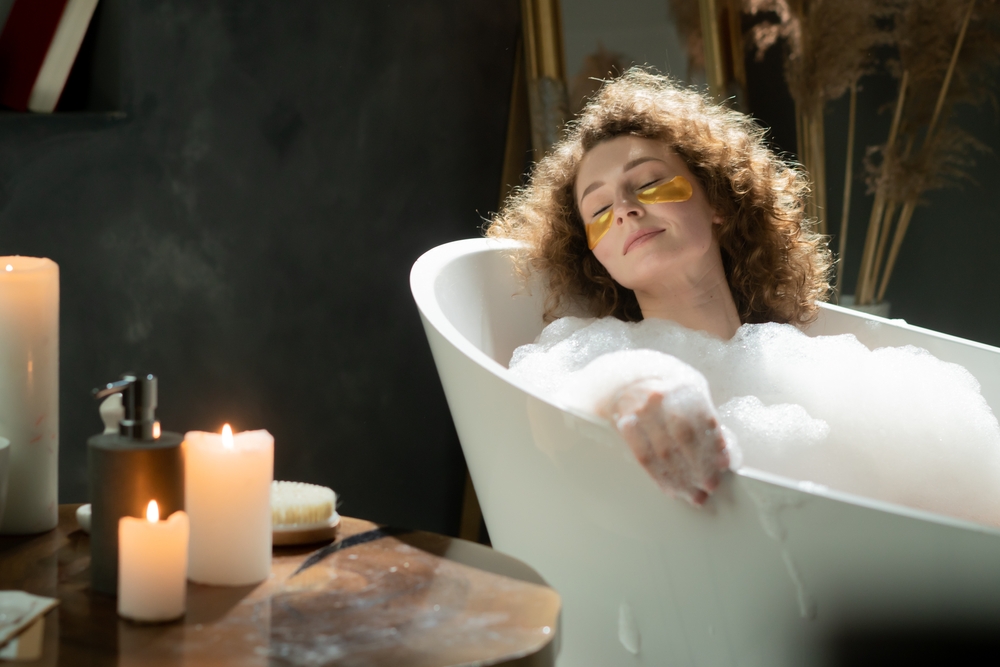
[428, 270]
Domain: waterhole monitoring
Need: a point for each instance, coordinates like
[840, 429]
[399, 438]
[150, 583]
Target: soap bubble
[895, 423]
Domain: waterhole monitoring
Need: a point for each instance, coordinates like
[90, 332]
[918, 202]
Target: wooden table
[412, 598]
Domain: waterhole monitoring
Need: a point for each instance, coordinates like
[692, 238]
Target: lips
[639, 237]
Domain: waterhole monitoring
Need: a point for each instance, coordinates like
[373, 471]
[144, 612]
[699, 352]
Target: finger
[655, 428]
[636, 397]
[720, 440]
[628, 426]
[672, 437]
[695, 497]
[708, 461]
[676, 438]
[684, 433]
[669, 467]
[715, 456]
[711, 483]
[722, 460]
[690, 452]
[646, 438]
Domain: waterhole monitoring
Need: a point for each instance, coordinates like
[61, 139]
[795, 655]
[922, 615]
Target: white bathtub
[771, 573]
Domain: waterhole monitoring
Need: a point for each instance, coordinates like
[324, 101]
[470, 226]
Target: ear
[716, 219]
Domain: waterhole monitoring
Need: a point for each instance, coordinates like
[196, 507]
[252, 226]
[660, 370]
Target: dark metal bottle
[127, 470]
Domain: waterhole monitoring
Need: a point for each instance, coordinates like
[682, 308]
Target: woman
[660, 204]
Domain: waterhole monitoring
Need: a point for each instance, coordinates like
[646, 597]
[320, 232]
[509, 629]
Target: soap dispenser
[127, 469]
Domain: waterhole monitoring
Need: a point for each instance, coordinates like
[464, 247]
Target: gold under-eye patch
[598, 228]
[675, 190]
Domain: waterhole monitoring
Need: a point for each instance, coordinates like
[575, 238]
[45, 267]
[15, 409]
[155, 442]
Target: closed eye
[597, 213]
[647, 185]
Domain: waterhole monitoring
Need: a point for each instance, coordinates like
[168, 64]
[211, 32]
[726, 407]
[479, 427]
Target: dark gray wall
[247, 228]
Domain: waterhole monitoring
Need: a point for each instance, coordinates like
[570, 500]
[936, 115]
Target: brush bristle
[298, 503]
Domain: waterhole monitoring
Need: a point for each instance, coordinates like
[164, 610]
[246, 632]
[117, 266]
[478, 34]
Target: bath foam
[896, 424]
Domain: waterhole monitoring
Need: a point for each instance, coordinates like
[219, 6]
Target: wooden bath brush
[302, 513]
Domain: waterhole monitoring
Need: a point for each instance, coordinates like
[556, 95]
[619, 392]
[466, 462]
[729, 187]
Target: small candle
[152, 566]
[228, 497]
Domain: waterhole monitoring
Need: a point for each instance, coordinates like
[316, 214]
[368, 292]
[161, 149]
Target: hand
[675, 434]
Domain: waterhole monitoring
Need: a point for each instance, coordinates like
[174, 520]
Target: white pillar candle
[29, 391]
[152, 566]
[227, 494]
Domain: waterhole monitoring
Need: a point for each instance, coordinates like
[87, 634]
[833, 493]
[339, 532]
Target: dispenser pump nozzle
[139, 400]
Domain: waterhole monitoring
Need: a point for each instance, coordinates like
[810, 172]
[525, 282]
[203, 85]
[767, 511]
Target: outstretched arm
[664, 411]
[674, 432]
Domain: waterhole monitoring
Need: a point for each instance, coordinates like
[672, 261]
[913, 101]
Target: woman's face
[647, 244]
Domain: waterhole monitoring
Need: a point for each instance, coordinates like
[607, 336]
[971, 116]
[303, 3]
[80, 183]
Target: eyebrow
[631, 164]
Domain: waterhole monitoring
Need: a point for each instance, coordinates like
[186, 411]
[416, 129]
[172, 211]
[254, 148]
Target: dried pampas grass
[829, 46]
[947, 55]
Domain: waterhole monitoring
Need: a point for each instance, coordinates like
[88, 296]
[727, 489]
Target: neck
[701, 301]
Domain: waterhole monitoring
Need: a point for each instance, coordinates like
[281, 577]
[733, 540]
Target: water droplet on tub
[628, 631]
[771, 502]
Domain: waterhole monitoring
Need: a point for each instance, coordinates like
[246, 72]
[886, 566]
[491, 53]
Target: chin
[652, 267]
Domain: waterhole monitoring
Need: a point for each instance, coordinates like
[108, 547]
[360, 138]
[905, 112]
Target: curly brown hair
[776, 267]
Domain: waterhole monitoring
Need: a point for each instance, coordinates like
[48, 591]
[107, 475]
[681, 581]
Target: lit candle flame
[152, 512]
[10, 267]
[156, 430]
[227, 436]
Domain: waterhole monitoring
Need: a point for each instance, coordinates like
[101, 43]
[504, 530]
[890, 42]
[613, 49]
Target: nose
[627, 207]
